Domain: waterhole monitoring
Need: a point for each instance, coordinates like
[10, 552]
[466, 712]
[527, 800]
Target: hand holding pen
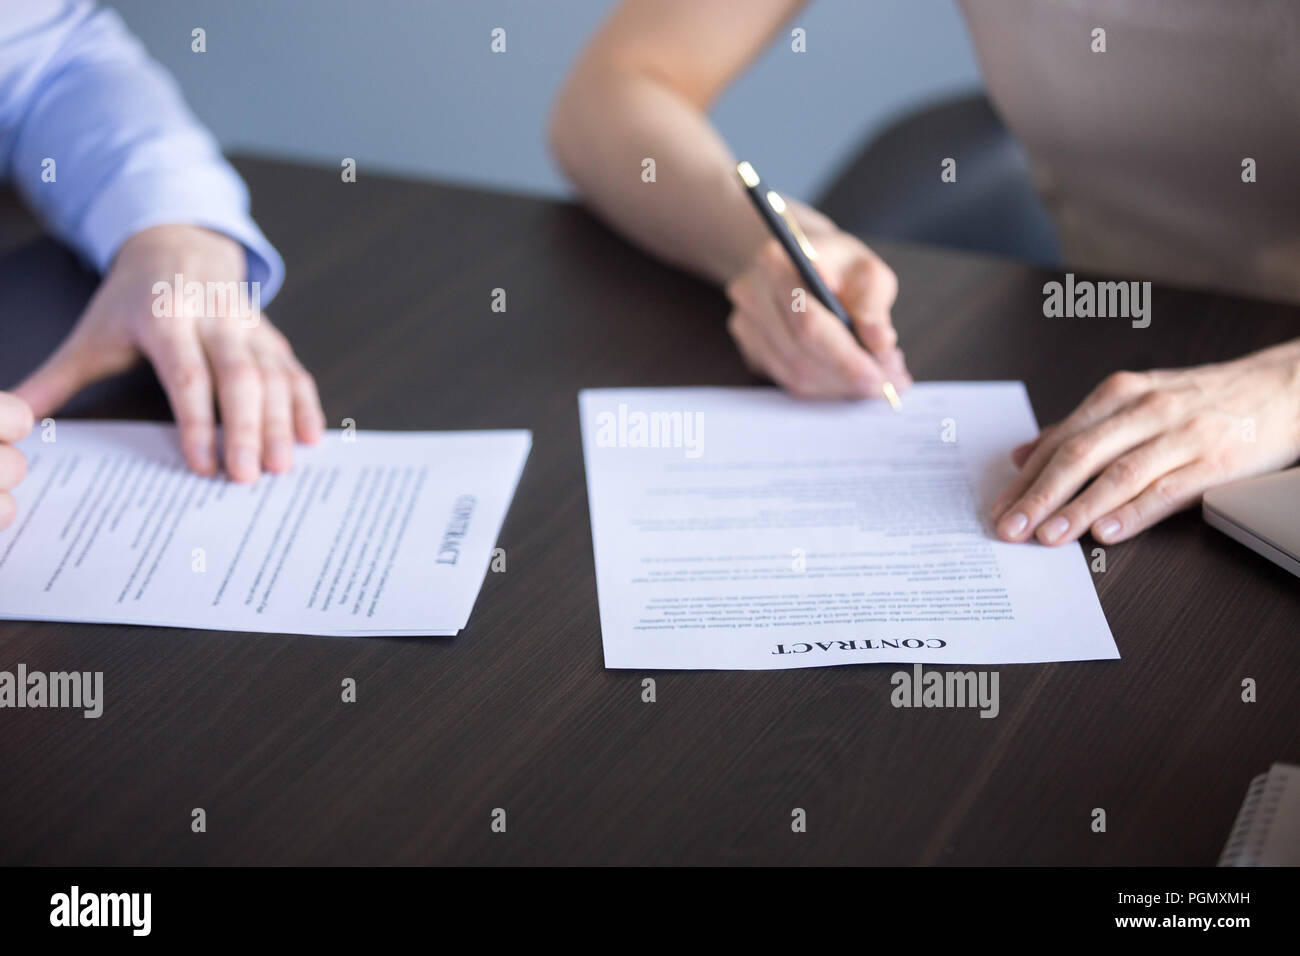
[819, 324]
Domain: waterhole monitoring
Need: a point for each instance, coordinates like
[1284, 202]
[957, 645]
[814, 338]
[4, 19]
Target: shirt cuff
[214, 198]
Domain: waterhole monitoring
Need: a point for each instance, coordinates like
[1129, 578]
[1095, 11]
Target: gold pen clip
[778, 204]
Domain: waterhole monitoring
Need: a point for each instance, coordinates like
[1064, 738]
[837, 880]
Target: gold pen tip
[891, 393]
[747, 174]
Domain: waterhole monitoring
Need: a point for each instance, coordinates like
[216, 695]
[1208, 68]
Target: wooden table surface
[388, 301]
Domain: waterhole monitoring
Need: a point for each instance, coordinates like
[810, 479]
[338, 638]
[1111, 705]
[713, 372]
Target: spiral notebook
[1267, 831]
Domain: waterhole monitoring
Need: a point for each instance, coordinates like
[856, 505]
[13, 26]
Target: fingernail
[244, 463]
[1012, 525]
[1054, 528]
[1105, 530]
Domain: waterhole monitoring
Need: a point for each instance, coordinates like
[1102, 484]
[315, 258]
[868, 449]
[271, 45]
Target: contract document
[369, 533]
[738, 528]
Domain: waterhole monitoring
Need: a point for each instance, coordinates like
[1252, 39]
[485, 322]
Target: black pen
[772, 208]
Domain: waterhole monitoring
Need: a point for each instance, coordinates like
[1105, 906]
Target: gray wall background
[411, 86]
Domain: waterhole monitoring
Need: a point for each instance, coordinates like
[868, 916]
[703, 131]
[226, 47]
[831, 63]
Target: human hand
[265, 396]
[15, 423]
[811, 353]
[1152, 443]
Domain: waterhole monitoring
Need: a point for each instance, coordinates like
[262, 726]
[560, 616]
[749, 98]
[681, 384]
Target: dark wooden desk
[388, 300]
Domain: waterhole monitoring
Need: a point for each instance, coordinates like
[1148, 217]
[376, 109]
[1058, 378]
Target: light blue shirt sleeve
[96, 137]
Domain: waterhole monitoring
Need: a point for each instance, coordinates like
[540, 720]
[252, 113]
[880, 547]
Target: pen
[785, 227]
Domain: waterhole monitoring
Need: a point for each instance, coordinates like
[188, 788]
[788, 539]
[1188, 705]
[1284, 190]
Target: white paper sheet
[765, 532]
[386, 533]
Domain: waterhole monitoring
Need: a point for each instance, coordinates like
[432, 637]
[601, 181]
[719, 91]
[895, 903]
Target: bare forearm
[693, 214]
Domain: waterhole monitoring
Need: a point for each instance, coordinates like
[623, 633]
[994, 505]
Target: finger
[1020, 454]
[277, 412]
[894, 367]
[67, 371]
[1172, 492]
[867, 288]
[308, 415]
[13, 467]
[1115, 391]
[759, 354]
[239, 395]
[763, 342]
[1049, 479]
[16, 418]
[8, 508]
[791, 318]
[1121, 481]
[177, 357]
[841, 366]
[815, 223]
[764, 296]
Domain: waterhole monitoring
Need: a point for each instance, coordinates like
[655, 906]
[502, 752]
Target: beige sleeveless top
[1139, 151]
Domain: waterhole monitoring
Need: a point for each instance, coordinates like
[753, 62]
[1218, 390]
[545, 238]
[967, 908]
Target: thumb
[15, 418]
[66, 372]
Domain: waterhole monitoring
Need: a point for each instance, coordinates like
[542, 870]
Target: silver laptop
[1262, 513]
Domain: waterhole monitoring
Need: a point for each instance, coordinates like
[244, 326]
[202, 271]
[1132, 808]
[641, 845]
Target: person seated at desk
[1141, 168]
[97, 139]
